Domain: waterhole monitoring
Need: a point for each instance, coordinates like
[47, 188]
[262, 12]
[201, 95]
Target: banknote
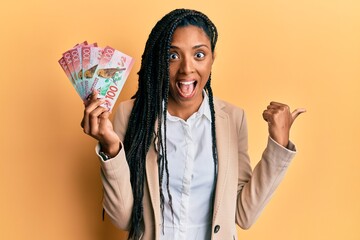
[76, 63]
[89, 67]
[68, 74]
[111, 74]
[76, 72]
[90, 60]
[68, 60]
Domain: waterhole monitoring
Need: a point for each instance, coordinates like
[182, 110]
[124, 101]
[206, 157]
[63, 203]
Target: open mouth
[186, 88]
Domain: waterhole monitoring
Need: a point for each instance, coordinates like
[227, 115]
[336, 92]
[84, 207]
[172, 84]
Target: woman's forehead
[190, 34]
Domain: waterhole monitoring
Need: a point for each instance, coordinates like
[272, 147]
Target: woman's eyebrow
[201, 45]
[194, 47]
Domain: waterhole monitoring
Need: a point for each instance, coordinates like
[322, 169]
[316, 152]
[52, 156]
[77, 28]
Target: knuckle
[92, 115]
[282, 108]
[101, 133]
[102, 116]
[93, 133]
[85, 130]
[87, 111]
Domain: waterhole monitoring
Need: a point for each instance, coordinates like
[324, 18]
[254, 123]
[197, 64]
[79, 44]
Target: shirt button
[216, 229]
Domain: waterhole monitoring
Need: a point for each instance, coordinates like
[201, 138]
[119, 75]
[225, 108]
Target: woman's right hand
[97, 124]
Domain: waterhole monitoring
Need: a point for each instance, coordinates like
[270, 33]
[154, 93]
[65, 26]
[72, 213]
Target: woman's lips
[186, 88]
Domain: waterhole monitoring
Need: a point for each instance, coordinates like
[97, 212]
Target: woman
[175, 165]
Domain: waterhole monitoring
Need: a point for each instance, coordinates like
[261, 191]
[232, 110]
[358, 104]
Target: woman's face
[190, 60]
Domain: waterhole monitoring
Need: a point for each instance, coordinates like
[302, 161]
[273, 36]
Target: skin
[280, 120]
[191, 61]
[97, 124]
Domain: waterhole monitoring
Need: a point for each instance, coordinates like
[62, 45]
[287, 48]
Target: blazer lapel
[222, 142]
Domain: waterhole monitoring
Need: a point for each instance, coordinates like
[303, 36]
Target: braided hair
[150, 105]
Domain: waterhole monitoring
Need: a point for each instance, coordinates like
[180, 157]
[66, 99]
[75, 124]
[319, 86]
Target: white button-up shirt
[192, 176]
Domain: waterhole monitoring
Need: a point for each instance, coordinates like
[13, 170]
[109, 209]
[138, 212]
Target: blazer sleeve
[256, 187]
[115, 177]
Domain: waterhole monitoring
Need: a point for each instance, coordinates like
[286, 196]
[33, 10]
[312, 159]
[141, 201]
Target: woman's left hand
[280, 119]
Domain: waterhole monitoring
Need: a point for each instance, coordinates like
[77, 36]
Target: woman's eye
[200, 55]
[173, 56]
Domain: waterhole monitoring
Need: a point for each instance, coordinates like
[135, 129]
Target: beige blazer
[241, 194]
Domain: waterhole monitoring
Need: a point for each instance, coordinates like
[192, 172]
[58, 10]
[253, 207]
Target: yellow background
[304, 53]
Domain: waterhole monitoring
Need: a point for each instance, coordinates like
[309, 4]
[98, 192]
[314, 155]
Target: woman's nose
[187, 65]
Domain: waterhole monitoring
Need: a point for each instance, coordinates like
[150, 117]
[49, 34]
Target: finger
[105, 114]
[92, 97]
[273, 103]
[272, 106]
[94, 120]
[103, 121]
[94, 103]
[297, 112]
[278, 106]
[267, 116]
[272, 111]
[85, 123]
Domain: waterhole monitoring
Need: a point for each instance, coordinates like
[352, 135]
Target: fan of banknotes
[89, 68]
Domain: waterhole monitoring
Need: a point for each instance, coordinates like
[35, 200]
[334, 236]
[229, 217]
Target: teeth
[187, 83]
[186, 87]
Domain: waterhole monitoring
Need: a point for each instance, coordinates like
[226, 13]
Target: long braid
[213, 132]
[150, 105]
[163, 163]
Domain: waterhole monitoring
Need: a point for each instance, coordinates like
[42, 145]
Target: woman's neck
[185, 109]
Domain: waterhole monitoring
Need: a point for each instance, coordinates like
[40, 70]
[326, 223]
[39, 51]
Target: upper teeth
[187, 83]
